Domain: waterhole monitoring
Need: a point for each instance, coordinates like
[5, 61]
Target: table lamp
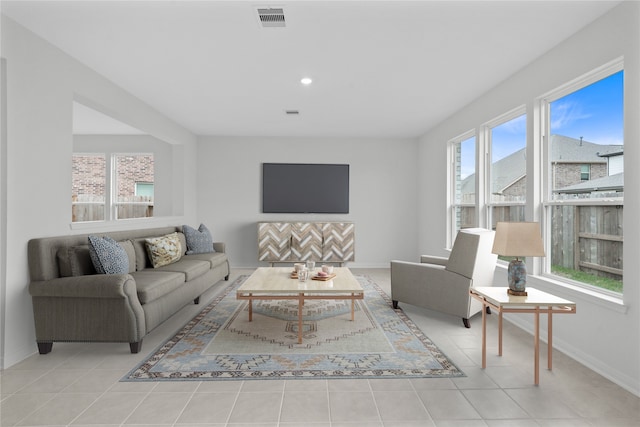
[518, 239]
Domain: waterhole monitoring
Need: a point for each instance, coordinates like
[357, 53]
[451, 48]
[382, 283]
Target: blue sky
[594, 112]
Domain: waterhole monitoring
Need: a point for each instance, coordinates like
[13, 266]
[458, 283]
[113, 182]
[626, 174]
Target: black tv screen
[305, 188]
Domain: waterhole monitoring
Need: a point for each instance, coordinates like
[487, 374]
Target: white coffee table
[275, 283]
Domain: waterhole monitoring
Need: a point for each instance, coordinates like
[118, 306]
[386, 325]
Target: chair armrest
[430, 259]
[219, 247]
[93, 286]
[430, 286]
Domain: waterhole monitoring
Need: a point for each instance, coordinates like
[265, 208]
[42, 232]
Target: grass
[590, 279]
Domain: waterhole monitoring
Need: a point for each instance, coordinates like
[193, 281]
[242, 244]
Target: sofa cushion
[140, 248]
[198, 241]
[108, 256]
[164, 250]
[75, 261]
[131, 254]
[152, 284]
[191, 268]
[142, 260]
[213, 258]
[183, 242]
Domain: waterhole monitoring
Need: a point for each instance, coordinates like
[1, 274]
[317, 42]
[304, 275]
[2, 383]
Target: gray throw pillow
[198, 241]
[108, 256]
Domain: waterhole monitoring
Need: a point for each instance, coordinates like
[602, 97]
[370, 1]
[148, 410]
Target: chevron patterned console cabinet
[301, 241]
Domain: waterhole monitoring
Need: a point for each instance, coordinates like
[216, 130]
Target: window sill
[126, 224]
[573, 292]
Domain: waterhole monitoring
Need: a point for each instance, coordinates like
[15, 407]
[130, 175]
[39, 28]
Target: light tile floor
[78, 384]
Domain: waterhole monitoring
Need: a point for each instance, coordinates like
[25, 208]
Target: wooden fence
[588, 238]
[585, 238]
[92, 208]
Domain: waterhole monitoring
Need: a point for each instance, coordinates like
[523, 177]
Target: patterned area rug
[221, 344]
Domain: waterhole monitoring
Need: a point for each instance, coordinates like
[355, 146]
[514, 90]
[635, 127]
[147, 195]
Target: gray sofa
[72, 303]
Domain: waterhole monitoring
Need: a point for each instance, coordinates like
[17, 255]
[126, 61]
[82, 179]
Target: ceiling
[380, 69]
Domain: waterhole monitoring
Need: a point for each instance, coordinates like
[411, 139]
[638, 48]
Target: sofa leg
[44, 347]
[395, 304]
[135, 346]
[196, 301]
[226, 278]
[466, 323]
[488, 310]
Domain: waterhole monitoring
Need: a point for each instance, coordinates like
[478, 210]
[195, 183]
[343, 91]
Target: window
[585, 172]
[88, 187]
[507, 189]
[585, 192]
[463, 211]
[130, 180]
[144, 189]
[130, 169]
[578, 165]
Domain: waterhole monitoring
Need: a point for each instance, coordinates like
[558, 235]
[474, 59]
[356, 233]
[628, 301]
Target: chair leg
[395, 304]
[466, 323]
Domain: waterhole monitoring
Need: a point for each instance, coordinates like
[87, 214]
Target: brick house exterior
[132, 170]
[567, 174]
[89, 174]
[568, 156]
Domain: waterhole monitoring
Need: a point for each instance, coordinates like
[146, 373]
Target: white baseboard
[609, 372]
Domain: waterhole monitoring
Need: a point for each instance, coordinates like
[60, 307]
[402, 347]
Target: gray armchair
[442, 284]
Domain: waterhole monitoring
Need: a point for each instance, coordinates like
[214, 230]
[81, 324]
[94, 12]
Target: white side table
[535, 302]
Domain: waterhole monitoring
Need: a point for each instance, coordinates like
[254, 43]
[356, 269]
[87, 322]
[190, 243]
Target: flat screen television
[305, 188]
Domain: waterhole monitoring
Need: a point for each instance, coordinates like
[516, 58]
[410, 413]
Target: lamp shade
[518, 239]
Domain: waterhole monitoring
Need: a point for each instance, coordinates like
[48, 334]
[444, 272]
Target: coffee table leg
[300, 304]
[353, 305]
[250, 308]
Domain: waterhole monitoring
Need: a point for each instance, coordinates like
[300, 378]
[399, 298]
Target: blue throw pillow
[107, 256]
[198, 241]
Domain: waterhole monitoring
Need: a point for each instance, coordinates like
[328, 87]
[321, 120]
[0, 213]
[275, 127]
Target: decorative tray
[323, 278]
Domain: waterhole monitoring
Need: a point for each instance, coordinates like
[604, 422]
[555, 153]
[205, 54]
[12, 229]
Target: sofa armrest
[93, 286]
[430, 259]
[219, 246]
[100, 308]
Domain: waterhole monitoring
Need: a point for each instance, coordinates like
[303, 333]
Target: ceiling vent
[291, 112]
[271, 17]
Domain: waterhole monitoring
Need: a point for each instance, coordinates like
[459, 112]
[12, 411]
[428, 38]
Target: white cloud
[566, 113]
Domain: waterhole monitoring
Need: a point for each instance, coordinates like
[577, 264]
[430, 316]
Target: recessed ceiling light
[306, 81]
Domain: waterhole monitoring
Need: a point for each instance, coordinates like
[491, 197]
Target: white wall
[42, 83]
[603, 335]
[3, 202]
[383, 188]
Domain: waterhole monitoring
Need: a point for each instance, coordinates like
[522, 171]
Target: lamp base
[517, 277]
